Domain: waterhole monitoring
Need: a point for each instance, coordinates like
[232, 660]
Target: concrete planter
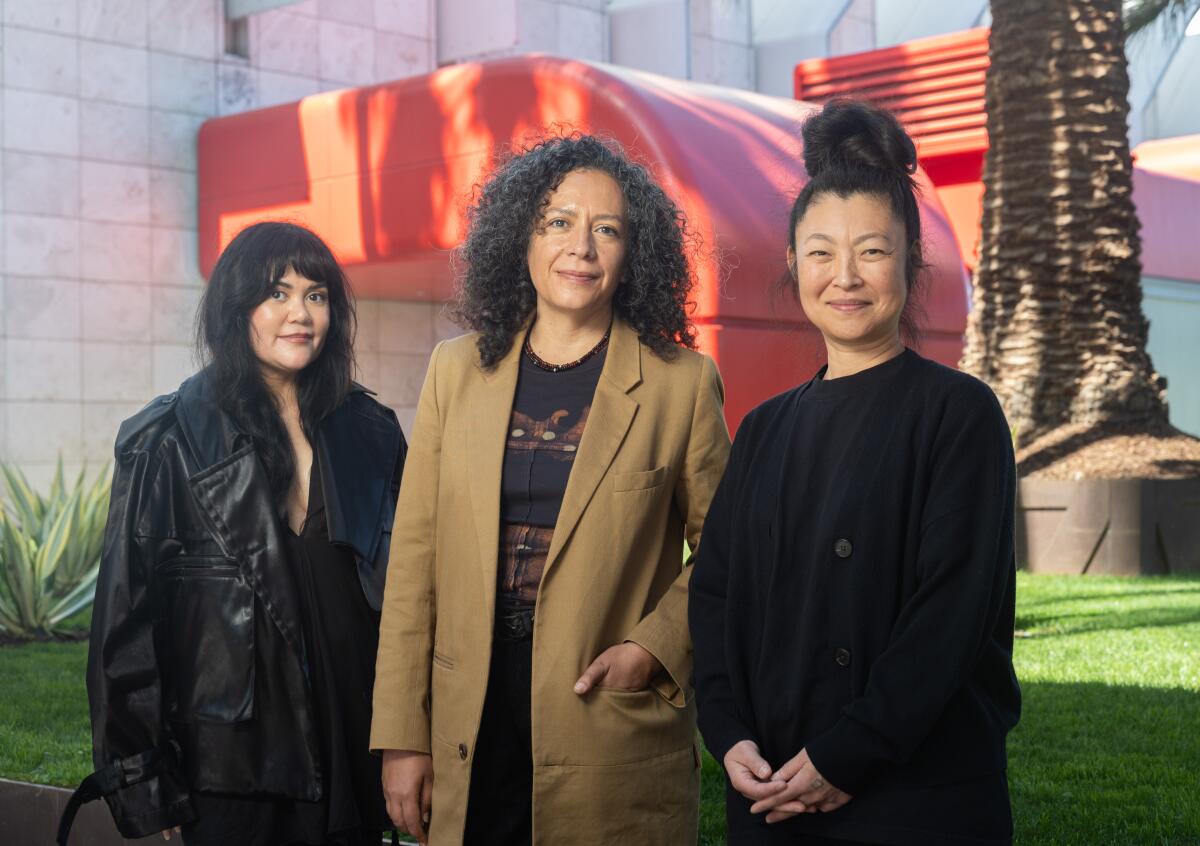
[1110, 526]
[29, 817]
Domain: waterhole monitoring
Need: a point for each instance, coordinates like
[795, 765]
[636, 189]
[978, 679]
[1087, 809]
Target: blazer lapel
[608, 422]
[490, 410]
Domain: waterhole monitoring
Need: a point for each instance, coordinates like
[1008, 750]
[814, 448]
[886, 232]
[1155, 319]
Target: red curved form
[384, 173]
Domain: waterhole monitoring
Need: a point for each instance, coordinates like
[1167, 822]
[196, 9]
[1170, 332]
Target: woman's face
[577, 248]
[850, 259]
[288, 328]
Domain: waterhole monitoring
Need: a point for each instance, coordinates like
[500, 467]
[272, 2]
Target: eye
[318, 297]
[611, 231]
[818, 253]
[557, 223]
[279, 295]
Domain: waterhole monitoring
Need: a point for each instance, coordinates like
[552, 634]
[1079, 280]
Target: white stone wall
[100, 103]
[101, 100]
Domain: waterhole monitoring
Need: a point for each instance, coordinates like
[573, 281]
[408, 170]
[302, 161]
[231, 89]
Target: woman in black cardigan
[851, 607]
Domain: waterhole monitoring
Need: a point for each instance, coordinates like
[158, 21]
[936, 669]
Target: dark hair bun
[852, 135]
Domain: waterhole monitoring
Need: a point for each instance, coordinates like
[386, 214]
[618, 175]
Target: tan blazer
[611, 766]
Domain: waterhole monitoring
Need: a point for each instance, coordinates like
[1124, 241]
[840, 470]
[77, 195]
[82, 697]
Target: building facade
[101, 102]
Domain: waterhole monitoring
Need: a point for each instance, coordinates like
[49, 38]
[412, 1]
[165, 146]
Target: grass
[1107, 752]
[1108, 748]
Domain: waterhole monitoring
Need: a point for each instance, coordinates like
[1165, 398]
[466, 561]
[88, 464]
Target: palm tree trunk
[1056, 326]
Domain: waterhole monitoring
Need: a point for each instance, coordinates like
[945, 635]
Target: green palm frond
[1172, 15]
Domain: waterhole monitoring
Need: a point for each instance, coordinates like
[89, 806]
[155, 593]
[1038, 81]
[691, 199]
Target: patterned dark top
[550, 411]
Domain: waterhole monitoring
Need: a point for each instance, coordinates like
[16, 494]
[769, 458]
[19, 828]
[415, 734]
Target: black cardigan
[854, 595]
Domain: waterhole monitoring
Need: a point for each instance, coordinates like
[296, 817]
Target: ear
[791, 261]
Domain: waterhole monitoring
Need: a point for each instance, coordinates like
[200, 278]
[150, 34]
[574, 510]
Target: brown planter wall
[29, 817]
[1109, 526]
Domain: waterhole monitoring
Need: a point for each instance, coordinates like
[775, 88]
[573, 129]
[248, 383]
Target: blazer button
[842, 548]
[842, 657]
[462, 751]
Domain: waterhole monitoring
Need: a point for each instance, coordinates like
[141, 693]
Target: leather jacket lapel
[231, 486]
[234, 495]
[358, 455]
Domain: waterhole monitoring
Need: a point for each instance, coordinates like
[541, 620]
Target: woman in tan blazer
[534, 661]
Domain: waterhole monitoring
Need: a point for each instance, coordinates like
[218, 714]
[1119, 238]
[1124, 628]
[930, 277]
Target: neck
[559, 338]
[848, 359]
[283, 388]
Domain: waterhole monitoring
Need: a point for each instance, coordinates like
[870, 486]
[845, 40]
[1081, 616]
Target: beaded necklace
[558, 368]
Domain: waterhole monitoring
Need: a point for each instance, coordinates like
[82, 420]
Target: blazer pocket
[640, 480]
[442, 660]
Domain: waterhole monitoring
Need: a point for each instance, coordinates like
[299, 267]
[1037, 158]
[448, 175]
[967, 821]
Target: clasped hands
[795, 788]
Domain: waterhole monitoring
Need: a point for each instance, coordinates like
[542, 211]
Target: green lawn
[1107, 752]
[1108, 749]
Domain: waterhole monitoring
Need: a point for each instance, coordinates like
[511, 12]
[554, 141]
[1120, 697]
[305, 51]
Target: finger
[412, 818]
[776, 800]
[793, 807]
[793, 767]
[166, 834]
[754, 763]
[752, 788]
[779, 816]
[426, 799]
[592, 676]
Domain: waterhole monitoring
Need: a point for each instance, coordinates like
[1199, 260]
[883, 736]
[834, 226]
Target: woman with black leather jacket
[236, 618]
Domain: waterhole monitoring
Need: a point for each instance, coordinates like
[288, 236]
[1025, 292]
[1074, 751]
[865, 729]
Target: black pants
[228, 820]
[500, 804]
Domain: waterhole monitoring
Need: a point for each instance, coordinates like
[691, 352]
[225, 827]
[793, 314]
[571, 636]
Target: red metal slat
[824, 70]
[870, 80]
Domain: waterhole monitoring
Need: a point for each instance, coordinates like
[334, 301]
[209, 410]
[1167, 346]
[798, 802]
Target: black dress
[341, 633]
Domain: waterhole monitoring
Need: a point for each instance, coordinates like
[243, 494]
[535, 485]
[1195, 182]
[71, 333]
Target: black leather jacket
[195, 591]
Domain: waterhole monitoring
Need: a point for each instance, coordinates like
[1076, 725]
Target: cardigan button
[843, 548]
[462, 751]
[842, 657]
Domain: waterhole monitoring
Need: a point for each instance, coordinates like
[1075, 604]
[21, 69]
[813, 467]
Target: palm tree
[1056, 326]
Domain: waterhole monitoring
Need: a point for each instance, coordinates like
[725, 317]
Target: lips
[848, 305]
[578, 276]
[297, 339]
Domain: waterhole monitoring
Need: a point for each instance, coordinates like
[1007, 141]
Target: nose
[299, 312]
[582, 243]
[846, 276]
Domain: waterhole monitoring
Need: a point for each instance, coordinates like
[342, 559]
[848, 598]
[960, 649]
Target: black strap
[122, 773]
[395, 838]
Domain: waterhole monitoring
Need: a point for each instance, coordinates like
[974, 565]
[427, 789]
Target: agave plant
[49, 551]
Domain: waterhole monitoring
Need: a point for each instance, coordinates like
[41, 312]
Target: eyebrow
[573, 213]
[868, 236]
[279, 283]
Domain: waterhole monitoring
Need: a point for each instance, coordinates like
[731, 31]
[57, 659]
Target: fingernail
[580, 687]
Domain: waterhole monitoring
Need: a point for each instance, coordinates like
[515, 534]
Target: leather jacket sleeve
[123, 675]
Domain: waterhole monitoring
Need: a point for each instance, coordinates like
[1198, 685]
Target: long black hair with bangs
[245, 275]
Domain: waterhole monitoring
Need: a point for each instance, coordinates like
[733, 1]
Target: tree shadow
[1049, 624]
[1117, 594]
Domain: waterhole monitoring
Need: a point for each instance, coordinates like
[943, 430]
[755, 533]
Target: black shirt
[550, 412]
[853, 595]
